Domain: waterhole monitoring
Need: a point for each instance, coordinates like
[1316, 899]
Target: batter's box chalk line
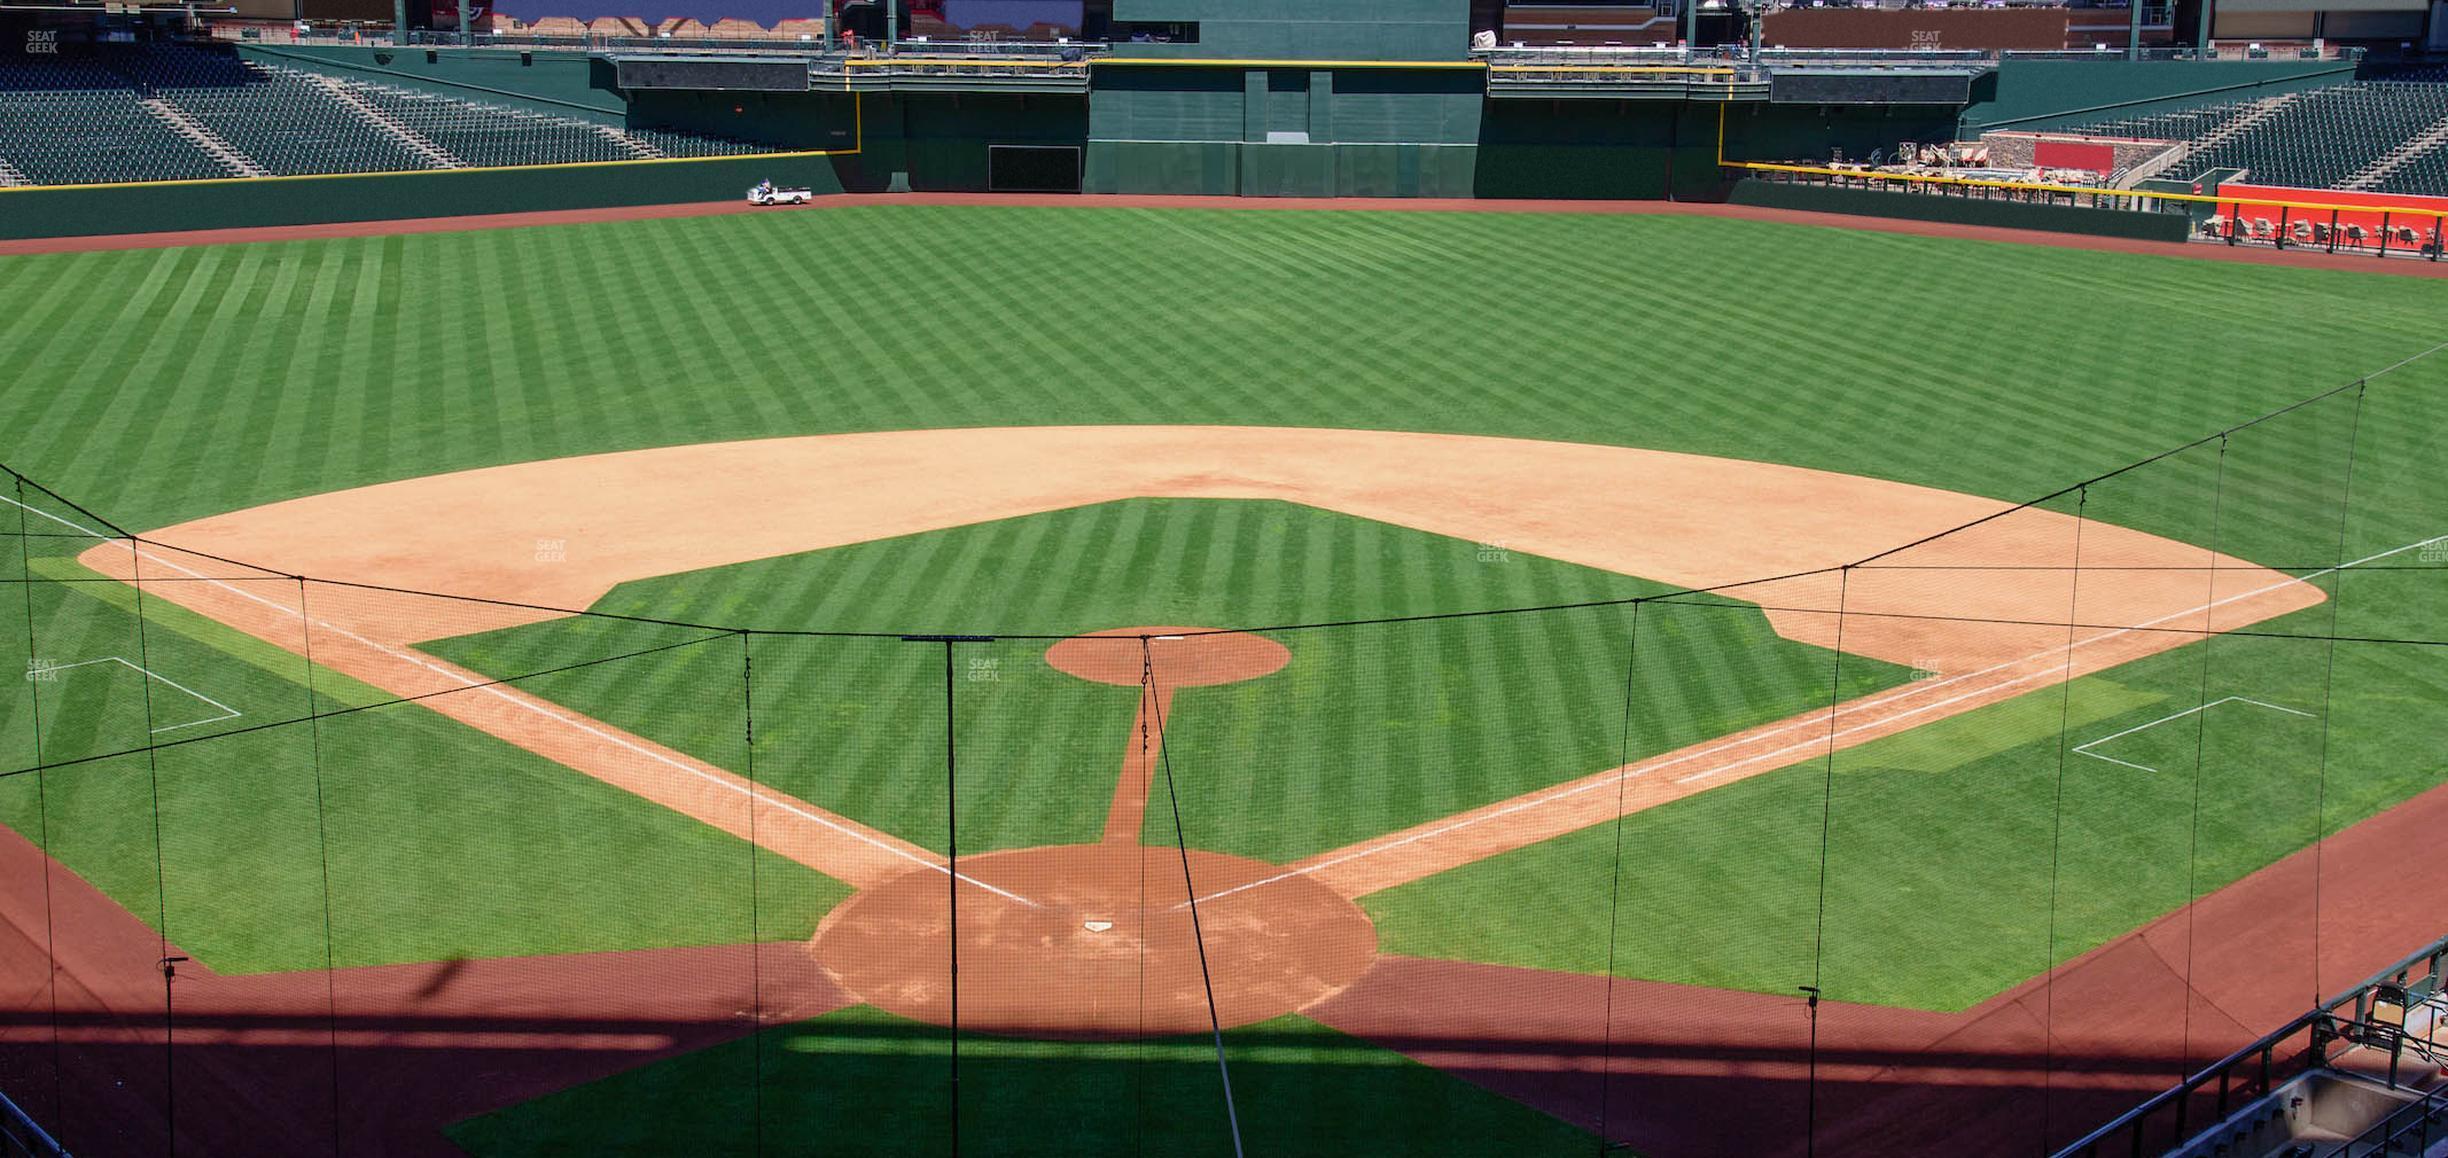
[226, 712]
[2085, 749]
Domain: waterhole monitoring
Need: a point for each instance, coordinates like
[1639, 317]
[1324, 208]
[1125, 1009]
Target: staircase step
[2417, 145]
[643, 150]
[238, 163]
[383, 122]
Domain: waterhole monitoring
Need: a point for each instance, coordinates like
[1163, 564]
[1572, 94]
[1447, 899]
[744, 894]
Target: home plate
[1097, 926]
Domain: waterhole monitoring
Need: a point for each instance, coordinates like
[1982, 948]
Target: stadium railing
[2299, 1047]
[2216, 215]
[22, 1137]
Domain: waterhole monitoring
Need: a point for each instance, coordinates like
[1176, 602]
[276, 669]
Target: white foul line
[1814, 723]
[2085, 749]
[496, 691]
[227, 712]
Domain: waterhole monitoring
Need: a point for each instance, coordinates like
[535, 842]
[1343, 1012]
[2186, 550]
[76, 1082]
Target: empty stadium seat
[116, 116]
[2319, 138]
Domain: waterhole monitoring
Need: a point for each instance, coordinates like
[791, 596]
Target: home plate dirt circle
[1101, 948]
[1180, 657]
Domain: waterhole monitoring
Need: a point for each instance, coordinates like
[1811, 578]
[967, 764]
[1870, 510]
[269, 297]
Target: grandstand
[161, 112]
[65, 122]
[2385, 136]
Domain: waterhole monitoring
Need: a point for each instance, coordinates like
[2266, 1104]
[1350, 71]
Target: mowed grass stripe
[1510, 324]
[1369, 729]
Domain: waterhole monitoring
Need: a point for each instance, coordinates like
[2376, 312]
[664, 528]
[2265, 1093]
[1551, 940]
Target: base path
[2301, 258]
[1988, 607]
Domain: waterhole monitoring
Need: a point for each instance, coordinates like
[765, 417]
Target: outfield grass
[161, 385]
[1367, 730]
[860, 1081]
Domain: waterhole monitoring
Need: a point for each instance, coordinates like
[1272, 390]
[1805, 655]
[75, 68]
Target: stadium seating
[478, 134]
[2191, 124]
[2334, 137]
[168, 111]
[67, 122]
[2425, 172]
[490, 135]
[278, 119]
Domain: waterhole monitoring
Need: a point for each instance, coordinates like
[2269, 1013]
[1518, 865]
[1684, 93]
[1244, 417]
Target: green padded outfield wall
[236, 203]
[1284, 131]
[788, 120]
[1962, 210]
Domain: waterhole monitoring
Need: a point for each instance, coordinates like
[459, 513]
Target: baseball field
[1088, 679]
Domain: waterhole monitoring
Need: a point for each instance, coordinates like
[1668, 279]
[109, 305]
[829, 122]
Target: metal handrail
[22, 1133]
[2413, 1117]
[2429, 957]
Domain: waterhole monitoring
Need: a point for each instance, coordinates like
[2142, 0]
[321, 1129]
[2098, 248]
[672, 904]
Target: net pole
[1198, 938]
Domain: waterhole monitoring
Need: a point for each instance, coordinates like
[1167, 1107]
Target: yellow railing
[2210, 199]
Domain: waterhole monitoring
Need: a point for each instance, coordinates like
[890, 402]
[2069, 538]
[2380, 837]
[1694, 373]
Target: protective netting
[1961, 844]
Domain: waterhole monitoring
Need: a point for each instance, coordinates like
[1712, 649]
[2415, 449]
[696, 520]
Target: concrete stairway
[2389, 163]
[238, 164]
[2262, 110]
[640, 149]
[11, 174]
[2153, 167]
[383, 122]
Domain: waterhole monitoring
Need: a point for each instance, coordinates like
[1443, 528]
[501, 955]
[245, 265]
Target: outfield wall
[77, 211]
[1962, 210]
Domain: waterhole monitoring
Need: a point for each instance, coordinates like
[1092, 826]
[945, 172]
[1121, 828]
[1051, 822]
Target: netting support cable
[1147, 711]
[1827, 814]
[2201, 739]
[1198, 937]
[1623, 777]
[2337, 600]
[756, 933]
[42, 798]
[2065, 727]
[165, 962]
[952, 879]
[314, 748]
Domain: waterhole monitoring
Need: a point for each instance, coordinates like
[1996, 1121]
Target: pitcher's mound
[1179, 657]
[1102, 948]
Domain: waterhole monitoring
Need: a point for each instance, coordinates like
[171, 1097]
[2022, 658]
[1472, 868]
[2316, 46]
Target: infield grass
[1368, 728]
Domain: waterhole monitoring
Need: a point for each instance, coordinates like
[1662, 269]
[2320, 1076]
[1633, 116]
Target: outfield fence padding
[1999, 212]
